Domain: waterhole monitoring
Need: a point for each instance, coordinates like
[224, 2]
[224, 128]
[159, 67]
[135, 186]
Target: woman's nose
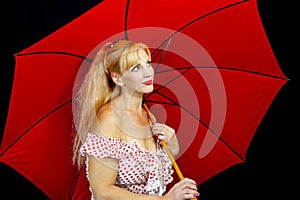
[148, 71]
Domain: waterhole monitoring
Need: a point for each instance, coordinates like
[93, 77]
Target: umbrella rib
[77, 179]
[210, 13]
[252, 72]
[55, 52]
[224, 68]
[160, 102]
[197, 19]
[36, 123]
[163, 54]
[126, 20]
[156, 90]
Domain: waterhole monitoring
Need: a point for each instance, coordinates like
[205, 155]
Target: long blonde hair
[98, 88]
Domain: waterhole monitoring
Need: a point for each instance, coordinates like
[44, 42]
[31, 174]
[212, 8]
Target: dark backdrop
[270, 167]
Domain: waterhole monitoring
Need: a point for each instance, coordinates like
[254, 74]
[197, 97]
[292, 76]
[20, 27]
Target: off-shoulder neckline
[133, 142]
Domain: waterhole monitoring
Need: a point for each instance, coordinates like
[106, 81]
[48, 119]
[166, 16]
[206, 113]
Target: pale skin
[125, 118]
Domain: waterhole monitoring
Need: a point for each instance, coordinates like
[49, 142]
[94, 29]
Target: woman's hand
[184, 189]
[167, 134]
[163, 132]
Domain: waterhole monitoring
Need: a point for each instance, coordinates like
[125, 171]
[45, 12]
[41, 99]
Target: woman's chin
[147, 89]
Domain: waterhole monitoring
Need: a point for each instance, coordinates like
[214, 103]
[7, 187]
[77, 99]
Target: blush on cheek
[133, 79]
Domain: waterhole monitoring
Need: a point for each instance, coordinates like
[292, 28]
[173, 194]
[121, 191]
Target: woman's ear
[117, 79]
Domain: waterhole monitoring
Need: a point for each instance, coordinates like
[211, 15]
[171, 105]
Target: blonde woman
[117, 139]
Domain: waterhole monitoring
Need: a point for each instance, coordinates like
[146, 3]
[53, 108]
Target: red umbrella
[216, 76]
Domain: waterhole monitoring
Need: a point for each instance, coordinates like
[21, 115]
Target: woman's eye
[149, 63]
[136, 68]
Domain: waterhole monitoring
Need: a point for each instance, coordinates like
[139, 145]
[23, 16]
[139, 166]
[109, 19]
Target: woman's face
[139, 78]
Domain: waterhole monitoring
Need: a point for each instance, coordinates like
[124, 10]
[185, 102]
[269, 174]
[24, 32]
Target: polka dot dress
[140, 171]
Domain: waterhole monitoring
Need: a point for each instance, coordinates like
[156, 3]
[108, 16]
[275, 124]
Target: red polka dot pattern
[140, 171]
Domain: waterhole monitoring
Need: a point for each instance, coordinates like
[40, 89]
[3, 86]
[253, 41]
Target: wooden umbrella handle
[174, 164]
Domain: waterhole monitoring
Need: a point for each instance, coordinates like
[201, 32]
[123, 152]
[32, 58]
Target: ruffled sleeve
[101, 147]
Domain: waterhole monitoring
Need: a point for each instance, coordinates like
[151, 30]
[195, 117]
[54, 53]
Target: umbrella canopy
[216, 76]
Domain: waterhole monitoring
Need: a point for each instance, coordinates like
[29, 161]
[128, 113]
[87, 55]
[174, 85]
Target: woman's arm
[102, 177]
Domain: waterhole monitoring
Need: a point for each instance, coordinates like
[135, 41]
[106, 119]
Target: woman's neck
[130, 102]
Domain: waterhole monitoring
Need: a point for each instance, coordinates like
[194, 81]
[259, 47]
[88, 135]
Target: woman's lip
[148, 82]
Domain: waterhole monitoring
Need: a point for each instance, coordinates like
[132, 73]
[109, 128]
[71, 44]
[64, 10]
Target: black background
[271, 165]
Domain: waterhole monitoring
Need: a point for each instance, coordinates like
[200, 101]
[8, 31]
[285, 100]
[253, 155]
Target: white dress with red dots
[140, 171]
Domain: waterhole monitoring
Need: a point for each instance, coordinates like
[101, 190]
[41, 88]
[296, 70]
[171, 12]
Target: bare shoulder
[105, 123]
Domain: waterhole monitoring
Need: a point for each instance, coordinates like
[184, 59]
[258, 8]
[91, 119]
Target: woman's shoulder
[105, 123]
[105, 113]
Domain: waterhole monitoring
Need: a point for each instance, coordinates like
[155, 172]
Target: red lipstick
[148, 82]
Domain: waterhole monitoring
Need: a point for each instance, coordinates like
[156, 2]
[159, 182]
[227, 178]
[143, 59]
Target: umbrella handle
[175, 166]
[172, 160]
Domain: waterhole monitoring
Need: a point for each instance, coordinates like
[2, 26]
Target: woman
[117, 139]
